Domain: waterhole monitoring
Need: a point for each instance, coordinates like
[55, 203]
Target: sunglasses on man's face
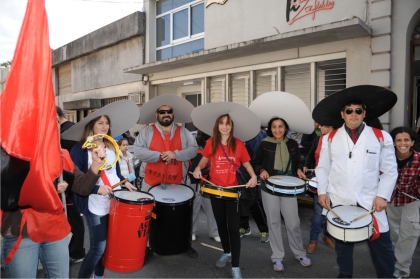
[349, 111]
[163, 111]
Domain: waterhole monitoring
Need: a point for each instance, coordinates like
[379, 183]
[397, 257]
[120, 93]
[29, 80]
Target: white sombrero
[246, 123]
[284, 105]
[123, 115]
[182, 109]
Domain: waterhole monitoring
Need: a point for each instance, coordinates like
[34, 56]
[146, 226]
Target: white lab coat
[371, 171]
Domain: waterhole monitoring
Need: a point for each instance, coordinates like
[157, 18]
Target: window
[265, 81]
[331, 77]
[297, 80]
[179, 27]
[240, 88]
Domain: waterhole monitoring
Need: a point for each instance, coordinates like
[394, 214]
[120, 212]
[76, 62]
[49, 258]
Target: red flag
[29, 129]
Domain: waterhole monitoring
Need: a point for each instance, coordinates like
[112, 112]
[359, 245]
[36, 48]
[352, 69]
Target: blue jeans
[97, 226]
[381, 253]
[54, 257]
[317, 222]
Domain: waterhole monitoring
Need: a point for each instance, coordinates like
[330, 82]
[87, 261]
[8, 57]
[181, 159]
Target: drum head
[133, 197]
[313, 184]
[174, 193]
[285, 181]
[348, 213]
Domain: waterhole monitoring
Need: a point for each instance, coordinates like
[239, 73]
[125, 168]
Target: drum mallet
[363, 215]
[130, 178]
[213, 247]
[335, 213]
[206, 180]
[238, 186]
[307, 179]
[410, 196]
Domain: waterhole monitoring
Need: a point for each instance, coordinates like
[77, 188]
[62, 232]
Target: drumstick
[206, 180]
[307, 179]
[130, 177]
[310, 170]
[237, 186]
[335, 213]
[410, 196]
[363, 215]
[213, 247]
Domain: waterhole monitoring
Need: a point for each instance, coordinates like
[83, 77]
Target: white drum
[284, 185]
[173, 194]
[348, 231]
[313, 186]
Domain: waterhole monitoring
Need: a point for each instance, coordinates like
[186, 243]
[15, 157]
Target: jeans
[317, 222]
[76, 249]
[54, 258]
[97, 226]
[380, 251]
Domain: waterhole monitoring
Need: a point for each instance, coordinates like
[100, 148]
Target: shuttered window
[64, 79]
[265, 81]
[331, 77]
[297, 80]
[217, 89]
[240, 88]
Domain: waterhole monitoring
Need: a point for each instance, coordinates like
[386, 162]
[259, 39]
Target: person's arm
[253, 181]
[201, 165]
[191, 147]
[141, 146]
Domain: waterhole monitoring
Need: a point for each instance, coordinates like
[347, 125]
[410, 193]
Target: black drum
[170, 226]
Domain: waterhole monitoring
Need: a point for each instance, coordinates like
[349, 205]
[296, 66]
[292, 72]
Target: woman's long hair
[410, 132]
[88, 131]
[217, 136]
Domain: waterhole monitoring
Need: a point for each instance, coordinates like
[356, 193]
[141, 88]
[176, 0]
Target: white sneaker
[216, 238]
[193, 237]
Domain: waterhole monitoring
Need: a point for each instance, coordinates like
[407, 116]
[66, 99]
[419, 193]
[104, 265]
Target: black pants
[226, 213]
[77, 225]
[258, 213]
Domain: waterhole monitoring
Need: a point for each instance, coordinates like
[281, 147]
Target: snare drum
[356, 231]
[284, 185]
[209, 191]
[170, 227]
[313, 186]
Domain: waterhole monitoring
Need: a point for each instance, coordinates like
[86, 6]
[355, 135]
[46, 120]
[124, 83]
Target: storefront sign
[296, 9]
[220, 2]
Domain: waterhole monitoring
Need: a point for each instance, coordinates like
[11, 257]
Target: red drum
[128, 231]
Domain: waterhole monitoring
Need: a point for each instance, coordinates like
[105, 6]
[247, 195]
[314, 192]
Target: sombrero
[182, 109]
[284, 105]
[123, 115]
[246, 123]
[378, 100]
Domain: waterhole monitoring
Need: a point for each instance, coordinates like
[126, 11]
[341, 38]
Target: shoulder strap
[330, 137]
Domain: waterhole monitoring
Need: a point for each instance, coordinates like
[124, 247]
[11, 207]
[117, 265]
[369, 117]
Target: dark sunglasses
[349, 111]
[163, 111]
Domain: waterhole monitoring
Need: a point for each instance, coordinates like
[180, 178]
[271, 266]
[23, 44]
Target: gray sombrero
[284, 105]
[378, 100]
[246, 123]
[123, 115]
[182, 109]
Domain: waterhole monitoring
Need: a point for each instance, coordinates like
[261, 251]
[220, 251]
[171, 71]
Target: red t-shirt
[222, 173]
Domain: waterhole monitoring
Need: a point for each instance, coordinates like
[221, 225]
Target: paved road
[255, 259]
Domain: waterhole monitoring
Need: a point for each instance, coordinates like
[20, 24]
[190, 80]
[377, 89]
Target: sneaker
[98, 277]
[344, 276]
[305, 261]
[224, 259]
[74, 261]
[278, 266]
[217, 238]
[264, 237]
[193, 237]
[236, 272]
[398, 273]
[243, 231]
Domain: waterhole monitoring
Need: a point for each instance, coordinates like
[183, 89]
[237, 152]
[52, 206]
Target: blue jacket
[80, 159]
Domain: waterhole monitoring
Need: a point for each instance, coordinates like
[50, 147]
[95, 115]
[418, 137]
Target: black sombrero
[378, 101]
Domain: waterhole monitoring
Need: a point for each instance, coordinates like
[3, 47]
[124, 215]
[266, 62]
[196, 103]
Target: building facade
[234, 50]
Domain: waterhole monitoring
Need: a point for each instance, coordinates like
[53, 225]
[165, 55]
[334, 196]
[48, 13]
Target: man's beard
[165, 122]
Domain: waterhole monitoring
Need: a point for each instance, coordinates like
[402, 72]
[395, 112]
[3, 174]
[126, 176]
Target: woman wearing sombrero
[279, 155]
[94, 203]
[230, 124]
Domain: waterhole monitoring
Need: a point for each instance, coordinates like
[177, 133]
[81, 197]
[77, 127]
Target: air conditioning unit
[137, 97]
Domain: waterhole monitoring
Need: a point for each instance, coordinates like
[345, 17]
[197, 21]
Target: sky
[68, 20]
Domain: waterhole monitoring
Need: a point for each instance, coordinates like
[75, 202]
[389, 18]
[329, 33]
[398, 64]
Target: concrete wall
[244, 20]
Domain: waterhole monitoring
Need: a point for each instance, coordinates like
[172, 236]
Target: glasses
[349, 111]
[163, 111]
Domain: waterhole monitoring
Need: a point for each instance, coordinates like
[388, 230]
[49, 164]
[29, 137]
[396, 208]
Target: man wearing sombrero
[165, 148]
[357, 167]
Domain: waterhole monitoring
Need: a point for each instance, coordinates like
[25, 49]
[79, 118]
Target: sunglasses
[349, 111]
[163, 111]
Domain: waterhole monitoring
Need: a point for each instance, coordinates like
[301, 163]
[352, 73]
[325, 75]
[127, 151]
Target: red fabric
[318, 150]
[376, 233]
[222, 173]
[353, 135]
[162, 172]
[68, 164]
[29, 129]
[19, 239]
[105, 179]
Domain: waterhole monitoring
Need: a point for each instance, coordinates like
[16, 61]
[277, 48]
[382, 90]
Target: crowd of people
[351, 162]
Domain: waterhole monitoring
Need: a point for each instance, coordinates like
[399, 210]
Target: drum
[208, 191]
[170, 227]
[348, 231]
[128, 230]
[313, 186]
[284, 185]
